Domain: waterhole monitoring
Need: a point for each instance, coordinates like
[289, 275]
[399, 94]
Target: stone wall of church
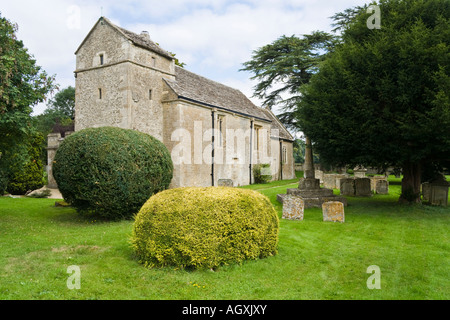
[103, 40]
[101, 97]
[188, 136]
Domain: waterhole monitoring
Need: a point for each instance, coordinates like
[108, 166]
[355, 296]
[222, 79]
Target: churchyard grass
[316, 260]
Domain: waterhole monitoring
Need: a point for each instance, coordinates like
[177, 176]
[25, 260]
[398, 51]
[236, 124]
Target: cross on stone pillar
[309, 187]
[309, 181]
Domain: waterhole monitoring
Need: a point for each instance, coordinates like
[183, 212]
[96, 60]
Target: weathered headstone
[426, 191]
[329, 181]
[362, 187]
[347, 187]
[333, 211]
[382, 187]
[225, 183]
[319, 175]
[293, 207]
[439, 192]
[374, 180]
[338, 178]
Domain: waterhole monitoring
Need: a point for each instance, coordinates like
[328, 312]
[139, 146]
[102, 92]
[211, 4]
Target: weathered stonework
[439, 192]
[293, 208]
[382, 187]
[426, 191]
[333, 211]
[332, 180]
[347, 187]
[362, 187]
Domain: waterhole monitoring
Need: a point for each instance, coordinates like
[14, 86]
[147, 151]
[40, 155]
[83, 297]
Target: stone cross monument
[309, 189]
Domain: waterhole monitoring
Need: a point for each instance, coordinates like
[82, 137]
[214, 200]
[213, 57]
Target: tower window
[100, 93]
[150, 94]
[101, 59]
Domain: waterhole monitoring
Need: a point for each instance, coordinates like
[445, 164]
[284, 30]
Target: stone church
[214, 133]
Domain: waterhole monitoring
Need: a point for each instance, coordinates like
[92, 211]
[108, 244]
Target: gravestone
[293, 208]
[319, 175]
[382, 187]
[439, 192]
[426, 191]
[362, 187]
[374, 180]
[333, 211]
[347, 186]
[359, 172]
[338, 178]
[225, 183]
[329, 181]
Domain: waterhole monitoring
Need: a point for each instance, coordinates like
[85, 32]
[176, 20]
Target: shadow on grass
[70, 215]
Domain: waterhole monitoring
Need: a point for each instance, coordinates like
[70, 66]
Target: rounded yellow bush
[205, 227]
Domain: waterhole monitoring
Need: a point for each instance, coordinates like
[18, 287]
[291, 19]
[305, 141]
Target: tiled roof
[193, 87]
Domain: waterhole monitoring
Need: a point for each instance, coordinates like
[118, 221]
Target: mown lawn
[316, 260]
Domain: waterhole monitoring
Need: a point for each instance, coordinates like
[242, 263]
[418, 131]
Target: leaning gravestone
[333, 211]
[362, 187]
[293, 208]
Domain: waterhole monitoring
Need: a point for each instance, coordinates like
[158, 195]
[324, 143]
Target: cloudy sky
[213, 37]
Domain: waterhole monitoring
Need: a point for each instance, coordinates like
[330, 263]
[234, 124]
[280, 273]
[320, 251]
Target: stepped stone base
[313, 198]
[312, 195]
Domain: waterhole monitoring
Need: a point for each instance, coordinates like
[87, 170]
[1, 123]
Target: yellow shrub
[205, 227]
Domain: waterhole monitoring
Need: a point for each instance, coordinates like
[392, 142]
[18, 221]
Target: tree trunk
[411, 182]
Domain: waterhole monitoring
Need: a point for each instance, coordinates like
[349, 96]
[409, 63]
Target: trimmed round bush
[205, 228]
[111, 171]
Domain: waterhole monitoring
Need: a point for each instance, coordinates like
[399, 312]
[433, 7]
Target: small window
[153, 62]
[257, 137]
[150, 94]
[101, 59]
[100, 93]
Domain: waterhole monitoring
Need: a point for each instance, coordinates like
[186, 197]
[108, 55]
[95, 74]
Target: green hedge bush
[205, 228]
[29, 175]
[110, 171]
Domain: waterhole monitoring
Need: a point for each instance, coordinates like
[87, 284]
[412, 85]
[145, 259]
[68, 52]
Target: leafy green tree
[283, 66]
[60, 111]
[30, 175]
[22, 85]
[382, 98]
[64, 103]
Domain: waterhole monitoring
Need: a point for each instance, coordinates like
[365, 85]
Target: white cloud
[214, 38]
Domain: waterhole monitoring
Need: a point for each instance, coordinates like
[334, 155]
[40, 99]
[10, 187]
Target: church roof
[192, 87]
[142, 42]
[283, 133]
